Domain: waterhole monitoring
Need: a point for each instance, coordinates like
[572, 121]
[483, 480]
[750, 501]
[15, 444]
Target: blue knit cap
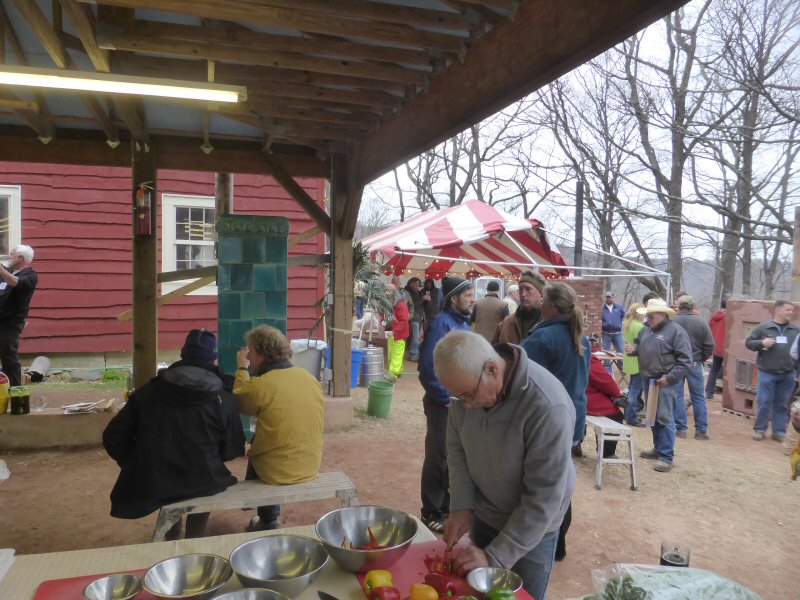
[200, 344]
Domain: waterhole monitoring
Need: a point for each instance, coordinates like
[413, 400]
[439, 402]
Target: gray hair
[512, 288]
[463, 350]
[25, 252]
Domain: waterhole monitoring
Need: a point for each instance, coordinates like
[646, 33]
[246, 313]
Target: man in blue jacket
[613, 315]
[457, 301]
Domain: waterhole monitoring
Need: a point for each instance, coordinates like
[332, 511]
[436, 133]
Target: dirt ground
[729, 499]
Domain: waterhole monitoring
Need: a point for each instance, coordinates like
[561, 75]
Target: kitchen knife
[326, 596]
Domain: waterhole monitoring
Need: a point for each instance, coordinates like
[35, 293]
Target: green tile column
[252, 258]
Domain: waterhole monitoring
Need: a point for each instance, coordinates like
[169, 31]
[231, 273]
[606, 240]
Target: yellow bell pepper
[378, 578]
[422, 591]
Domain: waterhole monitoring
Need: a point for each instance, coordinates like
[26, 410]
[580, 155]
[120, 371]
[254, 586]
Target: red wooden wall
[78, 221]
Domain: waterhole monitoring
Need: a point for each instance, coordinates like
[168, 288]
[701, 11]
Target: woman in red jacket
[600, 394]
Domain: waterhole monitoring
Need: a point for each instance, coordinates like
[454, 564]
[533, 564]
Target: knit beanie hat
[201, 345]
[536, 279]
[454, 285]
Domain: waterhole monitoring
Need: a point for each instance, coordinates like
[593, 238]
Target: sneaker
[635, 424]
[778, 437]
[651, 454]
[433, 524]
[701, 435]
[577, 451]
[758, 436]
[256, 524]
[680, 434]
[662, 466]
[390, 378]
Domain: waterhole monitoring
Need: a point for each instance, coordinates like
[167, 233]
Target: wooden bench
[255, 493]
[607, 430]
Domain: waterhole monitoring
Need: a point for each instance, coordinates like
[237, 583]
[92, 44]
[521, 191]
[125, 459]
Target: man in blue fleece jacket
[457, 302]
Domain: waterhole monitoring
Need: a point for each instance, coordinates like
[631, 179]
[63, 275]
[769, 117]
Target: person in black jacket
[173, 436]
[17, 284]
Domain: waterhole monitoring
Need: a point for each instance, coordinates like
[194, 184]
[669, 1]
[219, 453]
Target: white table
[30, 570]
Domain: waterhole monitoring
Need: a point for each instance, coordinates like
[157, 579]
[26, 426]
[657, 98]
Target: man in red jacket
[717, 324]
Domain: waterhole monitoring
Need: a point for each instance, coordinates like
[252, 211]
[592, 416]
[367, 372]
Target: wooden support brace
[174, 294]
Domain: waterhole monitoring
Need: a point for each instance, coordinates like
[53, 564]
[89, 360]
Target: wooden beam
[83, 22]
[40, 26]
[285, 60]
[145, 254]
[237, 36]
[295, 190]
[281, 89]
[252, 11]
[546, 39]
[196, 273]
[304, 235]
[173, 295]
[274, 110]
[18, 104]
[128, 109]
[75, 147]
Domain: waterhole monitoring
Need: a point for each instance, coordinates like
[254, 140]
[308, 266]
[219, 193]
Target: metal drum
[371, 365]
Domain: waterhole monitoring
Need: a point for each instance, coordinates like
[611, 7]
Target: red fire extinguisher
[144, 225]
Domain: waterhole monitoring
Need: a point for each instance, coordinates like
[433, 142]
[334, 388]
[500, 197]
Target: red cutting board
[411, 569]
[72, 587]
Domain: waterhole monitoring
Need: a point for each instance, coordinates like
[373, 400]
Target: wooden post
[343, 196]
[796, 256]
[145, 271]
[224, 193]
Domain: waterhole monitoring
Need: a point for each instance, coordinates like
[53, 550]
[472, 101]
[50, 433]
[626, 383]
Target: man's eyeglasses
[469, 398]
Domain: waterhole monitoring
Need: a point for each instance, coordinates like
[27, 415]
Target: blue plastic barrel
[355, 364]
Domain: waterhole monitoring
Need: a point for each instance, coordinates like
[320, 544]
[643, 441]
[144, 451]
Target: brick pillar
[251, 279]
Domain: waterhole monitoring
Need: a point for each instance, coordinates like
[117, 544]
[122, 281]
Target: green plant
[114, 375]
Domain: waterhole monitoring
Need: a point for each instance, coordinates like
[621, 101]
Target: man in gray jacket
[665, 354]
[773, 340]
[702, 341]
[511, 473]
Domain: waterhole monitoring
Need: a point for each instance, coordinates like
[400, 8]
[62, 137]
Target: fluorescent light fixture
[120, 84]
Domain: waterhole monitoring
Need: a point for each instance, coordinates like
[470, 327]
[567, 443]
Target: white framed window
[10, 218]
[187, 237]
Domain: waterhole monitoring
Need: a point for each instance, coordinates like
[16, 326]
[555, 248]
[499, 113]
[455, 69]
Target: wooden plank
[83, 22]
[145, 255]
[271, 58]
[283, 89]
[18, 104]
[304, 235]
[546, 39]
[38, 22]
[284, 178]
[233, 35]
[281, 111]
[173, 295]
[253, 11]
[196, 273]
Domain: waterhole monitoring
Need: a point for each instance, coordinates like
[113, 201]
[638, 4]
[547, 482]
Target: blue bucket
[355, 364]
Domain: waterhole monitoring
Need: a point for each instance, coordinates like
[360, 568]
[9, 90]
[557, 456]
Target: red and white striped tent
[470, 239]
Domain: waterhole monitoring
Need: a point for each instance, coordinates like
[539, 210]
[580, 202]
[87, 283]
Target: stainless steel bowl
[121, 586]
[485, 579]
[252, 594]
[283, 563]
[187, 576]
[392, 528]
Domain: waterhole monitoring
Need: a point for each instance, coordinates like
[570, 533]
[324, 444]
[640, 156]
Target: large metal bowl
[120, 586]
[283, 563]
[252, 594]
[485, 579]
[392, 528]
[187, 576]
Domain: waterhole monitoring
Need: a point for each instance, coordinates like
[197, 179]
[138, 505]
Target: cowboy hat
[656, 305]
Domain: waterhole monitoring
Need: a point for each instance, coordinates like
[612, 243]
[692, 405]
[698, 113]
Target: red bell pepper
[384, 593]
[444, 584]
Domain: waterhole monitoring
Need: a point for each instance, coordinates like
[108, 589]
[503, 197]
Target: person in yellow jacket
[288, 405]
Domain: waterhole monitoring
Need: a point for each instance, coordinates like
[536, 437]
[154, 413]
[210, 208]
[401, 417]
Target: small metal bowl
[485, 579]
[284, 563]
[252, 594]
[120, 586]
[393, 529]
[187, 576]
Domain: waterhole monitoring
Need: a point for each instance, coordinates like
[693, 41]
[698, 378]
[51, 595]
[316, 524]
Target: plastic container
[355, 364]
[307, 354]
[5, 393]
[20, 404]
[379, 402]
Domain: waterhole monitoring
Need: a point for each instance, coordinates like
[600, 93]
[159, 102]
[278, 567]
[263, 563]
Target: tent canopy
[470, 239]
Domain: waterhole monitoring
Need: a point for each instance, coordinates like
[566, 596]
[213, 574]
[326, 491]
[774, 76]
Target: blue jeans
[613, 339]
[635, 402]
[359, 308]
[534, 567]
[664, 427]
[695, 377]
[773, 394]
[413, 339]
[715, 372]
